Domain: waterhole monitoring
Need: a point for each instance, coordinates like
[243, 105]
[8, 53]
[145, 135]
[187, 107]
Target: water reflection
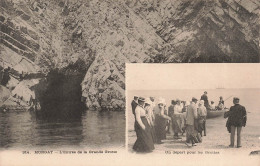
[92, 129]
[106, 128]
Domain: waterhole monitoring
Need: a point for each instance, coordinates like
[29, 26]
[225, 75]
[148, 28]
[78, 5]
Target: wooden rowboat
[215, 113]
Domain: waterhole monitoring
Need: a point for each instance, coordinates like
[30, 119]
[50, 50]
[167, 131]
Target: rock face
[204, 31]
[5, 93]
[41, 36]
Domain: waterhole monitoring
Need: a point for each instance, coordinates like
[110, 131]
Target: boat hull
[215, 114]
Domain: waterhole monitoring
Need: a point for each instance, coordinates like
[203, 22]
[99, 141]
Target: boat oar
[228, 98]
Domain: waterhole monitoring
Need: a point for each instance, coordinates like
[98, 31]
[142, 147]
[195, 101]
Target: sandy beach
[217, 137]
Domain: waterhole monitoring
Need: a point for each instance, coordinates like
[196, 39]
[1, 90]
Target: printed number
[25, 152]
[168, 152]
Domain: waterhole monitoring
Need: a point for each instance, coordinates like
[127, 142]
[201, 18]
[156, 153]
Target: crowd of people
[153, 121]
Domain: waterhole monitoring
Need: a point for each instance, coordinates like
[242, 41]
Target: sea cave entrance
[60, 94]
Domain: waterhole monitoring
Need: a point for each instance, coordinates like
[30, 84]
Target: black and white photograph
[193, 107]
[59, 88]
[63, 69]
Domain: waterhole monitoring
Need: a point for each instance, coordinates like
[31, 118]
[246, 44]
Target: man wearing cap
[134, 104]
[237, 118]
[191, 116]
[205, 98]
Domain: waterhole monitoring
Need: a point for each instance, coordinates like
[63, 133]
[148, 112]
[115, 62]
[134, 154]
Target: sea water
[94, 129]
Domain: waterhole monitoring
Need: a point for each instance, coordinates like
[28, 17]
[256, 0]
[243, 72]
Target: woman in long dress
[150, 116]
[160, 122]
[144, 142]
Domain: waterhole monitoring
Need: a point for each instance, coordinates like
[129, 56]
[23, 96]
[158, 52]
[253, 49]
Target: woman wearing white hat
[150, 117]
[161, 121]
[149, 111]
[144, 141]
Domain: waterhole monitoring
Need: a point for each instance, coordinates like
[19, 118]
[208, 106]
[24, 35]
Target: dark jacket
[206, 101]
[133, 104]
[237, 116]
[171, 110]
[226, 115]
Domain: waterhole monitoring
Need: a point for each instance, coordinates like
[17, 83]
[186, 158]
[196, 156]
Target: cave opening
[60, 94]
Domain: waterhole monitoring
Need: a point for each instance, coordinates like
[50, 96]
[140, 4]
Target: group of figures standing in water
[186, 118]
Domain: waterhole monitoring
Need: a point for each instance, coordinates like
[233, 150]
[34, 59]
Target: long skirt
[144, 142]
[153, 134]
[160, 128]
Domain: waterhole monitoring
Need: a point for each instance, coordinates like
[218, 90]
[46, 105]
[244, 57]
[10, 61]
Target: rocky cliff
[204, 31]
[100, 36]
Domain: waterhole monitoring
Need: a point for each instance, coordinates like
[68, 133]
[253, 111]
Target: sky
[143, 76]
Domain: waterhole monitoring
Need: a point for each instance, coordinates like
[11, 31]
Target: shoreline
[217, 139]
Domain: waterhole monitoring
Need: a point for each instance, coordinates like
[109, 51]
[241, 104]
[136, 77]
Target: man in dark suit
[170, 114]
[134, 104]
[205, 98]
[237, 119]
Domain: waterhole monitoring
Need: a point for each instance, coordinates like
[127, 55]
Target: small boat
[215, 113]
